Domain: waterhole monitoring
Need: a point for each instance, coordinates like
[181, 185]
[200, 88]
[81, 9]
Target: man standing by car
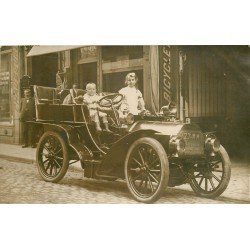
[27, 113]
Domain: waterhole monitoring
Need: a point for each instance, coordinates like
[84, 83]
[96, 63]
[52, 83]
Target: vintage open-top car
[149, 152]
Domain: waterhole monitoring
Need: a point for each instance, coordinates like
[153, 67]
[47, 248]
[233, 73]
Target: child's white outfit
[133, 97]
[91, 101]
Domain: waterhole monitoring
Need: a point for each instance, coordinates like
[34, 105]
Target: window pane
[114, 53]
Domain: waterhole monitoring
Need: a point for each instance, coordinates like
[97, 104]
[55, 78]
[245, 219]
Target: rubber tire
[165, 169]
[224, 182]
[65, 166]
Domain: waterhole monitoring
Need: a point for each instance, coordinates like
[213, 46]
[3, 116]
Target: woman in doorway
[132, 95]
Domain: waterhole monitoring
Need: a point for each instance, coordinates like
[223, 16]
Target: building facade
[204, 81]
[12, 68]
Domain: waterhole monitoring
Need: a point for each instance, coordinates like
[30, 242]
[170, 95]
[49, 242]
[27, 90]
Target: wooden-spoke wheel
[52, 157]
[210, 179]
[146, 170]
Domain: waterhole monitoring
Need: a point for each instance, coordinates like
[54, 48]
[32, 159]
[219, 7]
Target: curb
[17, 159]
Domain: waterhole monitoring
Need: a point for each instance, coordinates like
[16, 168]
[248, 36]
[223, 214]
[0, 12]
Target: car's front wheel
[146, 170]
[211, 178]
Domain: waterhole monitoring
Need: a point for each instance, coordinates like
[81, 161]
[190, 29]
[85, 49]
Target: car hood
[168, 128]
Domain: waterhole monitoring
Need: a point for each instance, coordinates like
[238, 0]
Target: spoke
[146, 183]
[212, 183]
[214, 163]
[141, 156]
[56, 144]
[58, 151]
[57, 163]
[46, 155]
[150, 154]
[135, 169]
[134, 178]
[47, 166]
[136, 161]
[49, 140]
[142, 180]
[201, 180]
[70, 162]
[215, 177]
[49, 151]
[206, 184]
[153, 177]
[60, 158]
[153, 163]
[53, 144]
[51, 168]
[46, 160]
[55, 169]
[198, 175]
[218, 171]
[150, 184]
[155, 170]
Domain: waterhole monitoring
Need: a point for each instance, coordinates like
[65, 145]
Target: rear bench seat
[49, 107]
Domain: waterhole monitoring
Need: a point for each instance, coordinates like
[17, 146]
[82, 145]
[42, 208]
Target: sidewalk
[17, 153]
[238, 188]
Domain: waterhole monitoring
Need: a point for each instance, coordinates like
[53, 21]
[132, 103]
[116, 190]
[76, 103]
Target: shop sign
[166, 81]
[4, 78]
[88, 52]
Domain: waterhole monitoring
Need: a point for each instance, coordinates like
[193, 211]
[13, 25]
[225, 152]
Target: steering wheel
[110, 99]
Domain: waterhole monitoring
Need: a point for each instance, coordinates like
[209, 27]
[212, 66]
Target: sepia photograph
[124, 124]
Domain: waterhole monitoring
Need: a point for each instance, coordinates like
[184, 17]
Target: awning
[42, 50]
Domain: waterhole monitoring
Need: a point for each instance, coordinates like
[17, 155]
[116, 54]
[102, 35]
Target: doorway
[87, 72]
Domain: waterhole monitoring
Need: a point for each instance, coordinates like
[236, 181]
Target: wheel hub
[208, 175]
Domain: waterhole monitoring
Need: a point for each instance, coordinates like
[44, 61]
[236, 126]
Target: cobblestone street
[20, 183]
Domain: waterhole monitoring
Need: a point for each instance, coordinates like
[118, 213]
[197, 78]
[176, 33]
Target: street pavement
[20, 183]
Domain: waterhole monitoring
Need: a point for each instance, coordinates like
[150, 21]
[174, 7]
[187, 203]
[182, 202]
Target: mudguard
[69, 134]
[113, 162]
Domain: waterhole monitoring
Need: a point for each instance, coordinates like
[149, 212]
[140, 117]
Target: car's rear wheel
[146, 170]
[210, 179]
[52, 157]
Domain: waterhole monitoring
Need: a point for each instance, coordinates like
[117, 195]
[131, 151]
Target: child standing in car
[91, 98]
[132, 95]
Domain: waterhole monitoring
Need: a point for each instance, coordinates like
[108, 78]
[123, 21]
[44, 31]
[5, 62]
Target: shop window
[115, 53]
[117, 62]
[5, 87]
[64, 59]
[113, 82]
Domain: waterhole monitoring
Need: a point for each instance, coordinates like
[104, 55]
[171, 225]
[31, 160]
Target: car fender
[70, 135]
[113, 162]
